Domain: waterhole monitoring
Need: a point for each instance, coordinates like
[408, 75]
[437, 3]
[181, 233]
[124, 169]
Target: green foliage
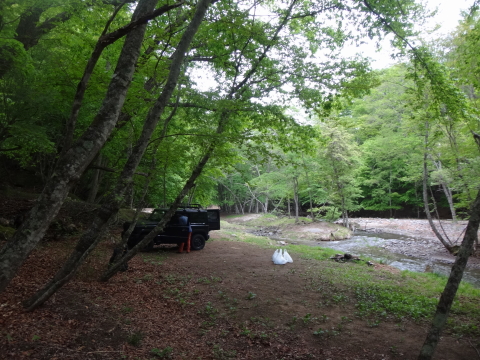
[335, 158]
[165, 353]
[135, 339]
[382, 301]
[13, 56]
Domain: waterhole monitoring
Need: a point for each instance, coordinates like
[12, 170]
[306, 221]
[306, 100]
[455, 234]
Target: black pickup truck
[201, 221]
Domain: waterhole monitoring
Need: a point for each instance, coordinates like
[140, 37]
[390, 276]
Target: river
[376, 246]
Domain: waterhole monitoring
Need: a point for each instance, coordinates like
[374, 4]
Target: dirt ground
[227, 301]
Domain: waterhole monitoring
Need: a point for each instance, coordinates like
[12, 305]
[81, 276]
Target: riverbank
[416, 237]
[418, 240]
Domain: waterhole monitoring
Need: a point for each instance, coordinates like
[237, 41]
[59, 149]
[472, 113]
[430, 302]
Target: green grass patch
[273, 220]
[384, 300]
[311, 252]
[231, 234]
[225, 225]
[156, 258]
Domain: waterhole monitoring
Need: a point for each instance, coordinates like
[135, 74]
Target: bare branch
[107, 169]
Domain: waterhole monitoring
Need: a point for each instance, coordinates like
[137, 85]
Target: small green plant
[208, 280]
[324, 318]
[373, 323]
[127, 309]
[221, 354]
[338, 298]
[262, 335]
[394, 350]
[209, 311]
[466, 330]
[308, 318]
[264, 321]
[251, 295]
[291, 323]
[147, 277]
[135, 339]
[35, 337]
[171, 279]
[345, 319]
[325, 333]
[164, 353]
[246, 332]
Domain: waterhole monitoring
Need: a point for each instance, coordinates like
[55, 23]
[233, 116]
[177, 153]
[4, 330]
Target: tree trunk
[390, 193]
[295, 197]
[104, 41]
[82, 86]
[110, 208]
[309, 189]
[448, 295]
[129, 195]
[446, 189]
[74, 162]
[425, 198]
[439, 236]
[275, 207]
[344, 212]
[126, 234]
[92, 194]
[235, 198]
[417, 198]
[448, 194]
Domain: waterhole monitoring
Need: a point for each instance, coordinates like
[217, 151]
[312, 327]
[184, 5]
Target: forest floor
[227, 301]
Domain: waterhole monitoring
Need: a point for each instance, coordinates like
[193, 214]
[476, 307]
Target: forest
[251, 106]
[307, 130]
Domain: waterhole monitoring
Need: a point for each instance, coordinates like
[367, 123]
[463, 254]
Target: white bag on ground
[279, 260]
[275, 255]
[287, 256]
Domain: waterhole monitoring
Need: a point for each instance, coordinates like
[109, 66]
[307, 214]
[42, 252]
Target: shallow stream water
[375, 246]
